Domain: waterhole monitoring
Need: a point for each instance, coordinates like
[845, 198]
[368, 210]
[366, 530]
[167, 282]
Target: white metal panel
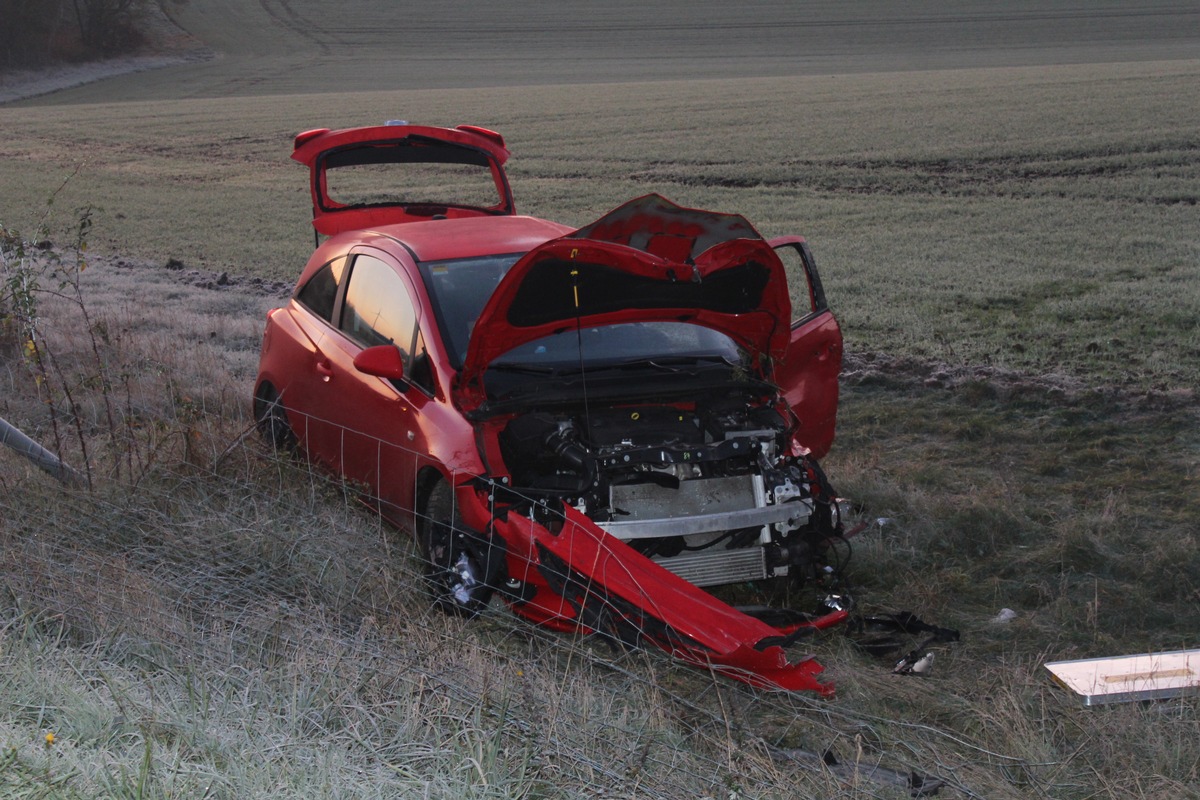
[1121, 679]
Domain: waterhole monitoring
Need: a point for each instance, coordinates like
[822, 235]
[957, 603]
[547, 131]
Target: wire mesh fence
[263, 606]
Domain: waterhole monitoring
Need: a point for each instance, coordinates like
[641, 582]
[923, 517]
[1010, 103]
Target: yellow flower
[50, 739]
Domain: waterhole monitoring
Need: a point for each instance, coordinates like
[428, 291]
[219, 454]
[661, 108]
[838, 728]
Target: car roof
[443, 239]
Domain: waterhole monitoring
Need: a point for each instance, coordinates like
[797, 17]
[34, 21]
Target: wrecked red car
[592, 424]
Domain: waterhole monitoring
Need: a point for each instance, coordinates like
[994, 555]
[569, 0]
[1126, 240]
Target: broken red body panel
[584, 578]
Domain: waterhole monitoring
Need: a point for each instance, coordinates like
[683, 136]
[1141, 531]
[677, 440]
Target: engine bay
[707, 489]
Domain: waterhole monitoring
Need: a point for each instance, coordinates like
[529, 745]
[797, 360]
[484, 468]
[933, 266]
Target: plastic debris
[916, 783]
[915, 663]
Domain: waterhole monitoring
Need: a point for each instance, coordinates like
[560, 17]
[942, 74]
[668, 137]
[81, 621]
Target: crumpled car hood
[648, 260]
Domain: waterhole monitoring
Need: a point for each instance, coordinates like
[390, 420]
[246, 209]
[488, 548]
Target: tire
[454, 559]
[271, 418]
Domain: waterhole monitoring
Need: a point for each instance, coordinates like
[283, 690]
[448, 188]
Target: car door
[808, 373]
[379, 437]
[302, 370]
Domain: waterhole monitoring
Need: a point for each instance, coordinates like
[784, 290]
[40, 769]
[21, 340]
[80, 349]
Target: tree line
[36, 33]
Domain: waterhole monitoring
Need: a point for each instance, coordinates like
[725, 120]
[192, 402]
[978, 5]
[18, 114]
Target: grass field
[1011, 242]
[1002, 217]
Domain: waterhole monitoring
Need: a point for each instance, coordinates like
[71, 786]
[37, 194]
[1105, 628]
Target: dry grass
[289, 651]
[218, 621]
[253, 631]
[142, 369]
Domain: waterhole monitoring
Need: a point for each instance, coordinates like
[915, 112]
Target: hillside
[298, 46]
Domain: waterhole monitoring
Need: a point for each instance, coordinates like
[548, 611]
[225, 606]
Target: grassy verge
[1078, 516]
[245, 628]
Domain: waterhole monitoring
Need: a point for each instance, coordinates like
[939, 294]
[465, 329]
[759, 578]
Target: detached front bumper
[572, 574]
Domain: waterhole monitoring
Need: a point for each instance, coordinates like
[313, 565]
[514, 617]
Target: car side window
[378, 309]
[319, 294]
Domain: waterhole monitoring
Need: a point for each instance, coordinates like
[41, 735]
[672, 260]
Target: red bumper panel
[587, 579]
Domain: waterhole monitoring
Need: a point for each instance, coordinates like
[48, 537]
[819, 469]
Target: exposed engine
[705, 489]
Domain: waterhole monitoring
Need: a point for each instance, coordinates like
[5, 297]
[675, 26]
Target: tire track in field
[1118, 173]
[1040, 18]
[288, 18]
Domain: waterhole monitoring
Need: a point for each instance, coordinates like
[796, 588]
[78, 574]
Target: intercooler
[718, 565]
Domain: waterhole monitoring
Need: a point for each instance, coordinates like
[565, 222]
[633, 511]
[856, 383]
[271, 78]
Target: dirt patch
[177, 271]
[868, 368]
[1001, 385]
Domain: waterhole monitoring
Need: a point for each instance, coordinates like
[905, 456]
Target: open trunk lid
[366, 177]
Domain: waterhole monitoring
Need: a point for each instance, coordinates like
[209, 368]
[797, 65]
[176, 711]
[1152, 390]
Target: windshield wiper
[673, 363]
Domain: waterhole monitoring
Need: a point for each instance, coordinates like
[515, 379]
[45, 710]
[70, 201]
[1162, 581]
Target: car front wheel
[455, 559]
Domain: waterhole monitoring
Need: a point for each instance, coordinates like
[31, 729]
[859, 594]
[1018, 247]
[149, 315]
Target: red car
[592, 424]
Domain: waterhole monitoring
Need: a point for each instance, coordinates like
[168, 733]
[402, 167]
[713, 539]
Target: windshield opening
[459, 290]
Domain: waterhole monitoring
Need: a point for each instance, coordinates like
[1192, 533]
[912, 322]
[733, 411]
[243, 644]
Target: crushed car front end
[635, 446]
